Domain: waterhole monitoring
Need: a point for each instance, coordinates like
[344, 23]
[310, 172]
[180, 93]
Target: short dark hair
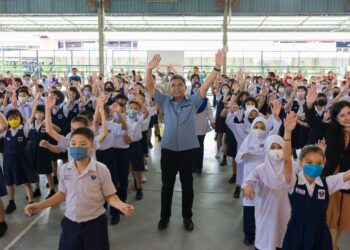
[86, 132]
[74, 89]
[87, 114]
[17, 79]
[3, 81]
[81, 119]
[59, 94]
[23, 90]
[311, 149]
[134, 102]
[193, 76]
[179, 77]
[250, 99]
[14, 112]
[88, 86]
[40, 108]
[120, 96]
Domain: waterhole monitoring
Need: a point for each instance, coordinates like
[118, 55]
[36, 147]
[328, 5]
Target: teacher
[180, 143]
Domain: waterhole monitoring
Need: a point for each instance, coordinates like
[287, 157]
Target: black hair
[179, 77]
[195, 67]
[109, 83]
[87, 114]
[193, 76]
[40, 108]
[89, 87]
[86, 132]
[120, 96]
[59, 94]
[250, 99]
[239, 96]
[80, 119]
[137, 103]
[321, 95]
[23, 90]
[14, 112]
[3, 81]
[311, 149]
[272, 74]
[40, 86]
[335, 110]
[17, 79]
[302, 87]
[74, 89]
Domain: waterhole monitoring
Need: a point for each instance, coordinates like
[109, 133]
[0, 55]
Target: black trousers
[200, 152]
[249, 223]
[172, 162]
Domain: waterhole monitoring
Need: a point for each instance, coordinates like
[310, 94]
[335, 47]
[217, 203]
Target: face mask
[116, 117]
[321, 102]
[247, 106]
[130, 96]
[288, 92]
[87, 94]
[58, 102]
[281, 90]
[109, 89]
[169, 78]
[22, 99]
[335, 94]
[39, 117]
[132, 114]
[14, 123]
[301, 95]
[78, 153]
[276, 154]
[313, 170]
[251, 120]
[2, 87]
[258, 133]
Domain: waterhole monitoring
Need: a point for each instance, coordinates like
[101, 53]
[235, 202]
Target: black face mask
[321, 102]
[335, 94]
[109, 89]
[239, 102]
[251, 120]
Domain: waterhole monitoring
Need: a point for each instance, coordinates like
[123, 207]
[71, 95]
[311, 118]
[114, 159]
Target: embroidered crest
[59, 116]
[300, 191]
[43, 130]
[321, 194]
[67, 177]
[20, 139]
[93, 177]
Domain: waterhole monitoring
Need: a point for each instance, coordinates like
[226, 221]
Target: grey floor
[217, 216]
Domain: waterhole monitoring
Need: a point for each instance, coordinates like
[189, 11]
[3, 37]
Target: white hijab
[255, 146]
[244, 129]
[272, 171]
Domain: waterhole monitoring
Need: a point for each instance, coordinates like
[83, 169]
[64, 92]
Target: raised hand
[154, 62]
[290, 122]
[219, 58]
[276, 108]
[326, 117]
[50, 101]
[234, 108]
[322, 145]
[311, 95]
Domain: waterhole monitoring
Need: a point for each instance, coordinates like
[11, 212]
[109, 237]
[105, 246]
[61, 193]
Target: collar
[303, 181]
[185, 99]
[91, 167]
[16, 129]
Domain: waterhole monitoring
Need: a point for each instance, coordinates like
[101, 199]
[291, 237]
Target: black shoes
[159, 138]
[3, 228]
[199, 171]
[232, 180]
[223, 162]
[36, 193]
[188, 225]
[139, 194]
[149, 143]
[163, 224]
[55, 181]
[115, 219]
[11, 207]
[52, 192]
[247, 242]
[237, 192]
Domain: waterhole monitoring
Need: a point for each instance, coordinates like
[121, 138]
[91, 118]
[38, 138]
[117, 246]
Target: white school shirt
[63, 145]
[201, 119]
[26, 128]
[65, 109]
[134, 127]
[114, 130]
[24, 109]
[334, 183]
[145, 124]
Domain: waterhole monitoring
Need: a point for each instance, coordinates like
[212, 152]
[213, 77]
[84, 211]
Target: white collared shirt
[334, 183]
[114, 131]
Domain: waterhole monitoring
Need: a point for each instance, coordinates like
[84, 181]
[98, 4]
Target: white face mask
[22, 99]
[281, 90]
[276, 154]
[258, 133]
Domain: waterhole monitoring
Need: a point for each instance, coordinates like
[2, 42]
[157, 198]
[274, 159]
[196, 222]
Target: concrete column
[101, 37]
[224, 30]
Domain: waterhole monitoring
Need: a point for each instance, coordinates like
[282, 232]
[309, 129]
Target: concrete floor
[217, 216]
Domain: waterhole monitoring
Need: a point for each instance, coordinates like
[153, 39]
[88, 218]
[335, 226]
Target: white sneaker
[144, 180]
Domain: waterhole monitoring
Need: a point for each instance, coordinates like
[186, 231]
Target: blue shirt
[179, 129]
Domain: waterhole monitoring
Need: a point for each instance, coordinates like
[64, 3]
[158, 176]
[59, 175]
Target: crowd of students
[101, 128]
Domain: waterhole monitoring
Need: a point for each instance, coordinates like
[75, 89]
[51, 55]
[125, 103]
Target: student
[75, 102]
[272, 208]
[40, 157]
[203, 117]
[85, 185]
[90, 100]
[3, 192]
[17, 169]
[22, 104]
[135, 119]
[105, 153]
[308, 194]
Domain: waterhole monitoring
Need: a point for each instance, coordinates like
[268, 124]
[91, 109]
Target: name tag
[59, 116]
[321, 194]
[300, 191]
[66, 177]
[43, 130]
[75, 110]
[20, 139]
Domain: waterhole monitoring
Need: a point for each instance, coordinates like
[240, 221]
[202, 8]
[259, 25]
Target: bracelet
[287, 139]
[217, 69]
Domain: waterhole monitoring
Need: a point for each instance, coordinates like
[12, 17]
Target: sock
[12, 201]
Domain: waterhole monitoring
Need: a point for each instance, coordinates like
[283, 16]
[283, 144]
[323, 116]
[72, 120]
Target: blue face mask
[288, 92]
[58, 102]
[116, 117]
[78, 153]
[313, 170]
[132, 114]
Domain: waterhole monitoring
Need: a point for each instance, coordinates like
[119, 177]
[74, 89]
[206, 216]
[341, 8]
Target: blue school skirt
[136, 156]
[3, 191]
